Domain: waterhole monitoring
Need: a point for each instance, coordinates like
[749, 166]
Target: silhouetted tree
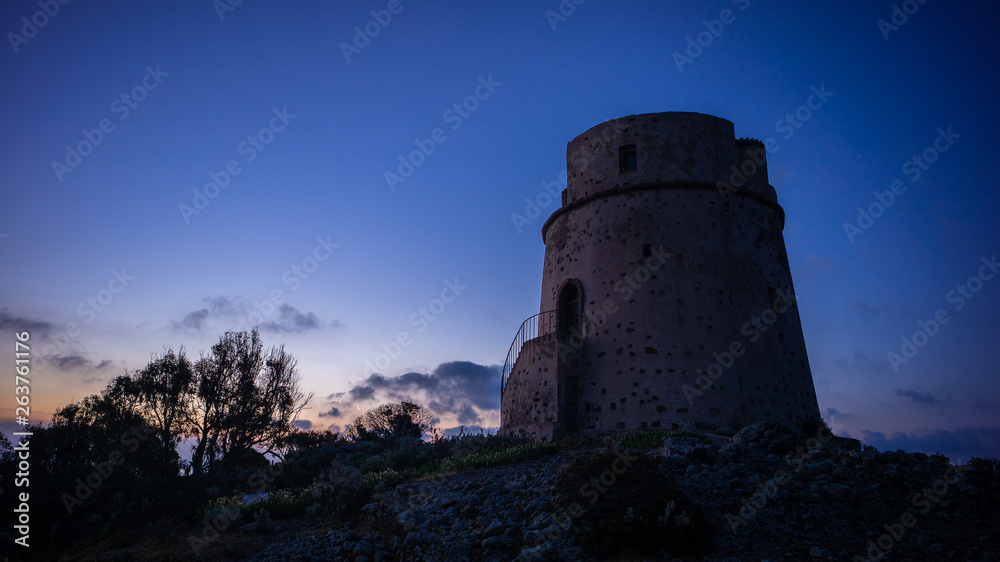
[244, 399]
[166, 391]
[87, 432]
[389, 422]
[301, 440]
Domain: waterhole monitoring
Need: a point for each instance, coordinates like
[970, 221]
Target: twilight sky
[176, 170]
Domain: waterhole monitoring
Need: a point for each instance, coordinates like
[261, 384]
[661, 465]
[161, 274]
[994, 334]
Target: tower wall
[674, 272]
[530, 401]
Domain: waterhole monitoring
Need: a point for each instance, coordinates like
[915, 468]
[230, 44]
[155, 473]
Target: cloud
[360, 393]
[922, 398]
[224, 306]
[982, 404]
[815, 270]
[228, 310]
[835, 420]
[859, 362]
[192, 322]
[962, 443]
[291, 320]
[870, 311]
[835, 413]
[467, 415]
[815, 264]
[89, 370]
[67, 362]
[12, 323]
[462, 390]
[480, 383]
[303, 424]
[333, 412]
[61, 351]
[240, 313]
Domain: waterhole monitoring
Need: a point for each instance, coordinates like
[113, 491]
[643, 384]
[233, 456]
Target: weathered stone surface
[671, 289]
[766, 506]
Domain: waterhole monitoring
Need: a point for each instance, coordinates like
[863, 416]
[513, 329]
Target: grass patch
[280, 504]
[388, 478]
[492, 457]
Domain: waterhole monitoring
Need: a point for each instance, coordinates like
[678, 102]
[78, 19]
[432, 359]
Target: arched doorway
[569, 309]
[569, 316]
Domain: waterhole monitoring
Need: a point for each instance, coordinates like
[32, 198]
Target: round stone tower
[667, 299]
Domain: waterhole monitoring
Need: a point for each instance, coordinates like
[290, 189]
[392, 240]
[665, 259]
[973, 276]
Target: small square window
[627, 158]
[647, 251]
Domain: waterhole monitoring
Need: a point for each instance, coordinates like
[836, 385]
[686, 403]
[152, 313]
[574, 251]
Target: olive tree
[389, 422]
[244, 399]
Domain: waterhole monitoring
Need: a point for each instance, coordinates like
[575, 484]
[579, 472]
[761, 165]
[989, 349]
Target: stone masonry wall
[687, 269]
[530, 398]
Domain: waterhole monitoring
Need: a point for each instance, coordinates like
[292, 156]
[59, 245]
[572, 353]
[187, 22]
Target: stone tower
[667, 300]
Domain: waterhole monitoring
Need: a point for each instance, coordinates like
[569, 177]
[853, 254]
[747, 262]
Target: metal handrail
[529, 330]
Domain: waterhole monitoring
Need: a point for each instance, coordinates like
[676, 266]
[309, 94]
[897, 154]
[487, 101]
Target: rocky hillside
[767, 493]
